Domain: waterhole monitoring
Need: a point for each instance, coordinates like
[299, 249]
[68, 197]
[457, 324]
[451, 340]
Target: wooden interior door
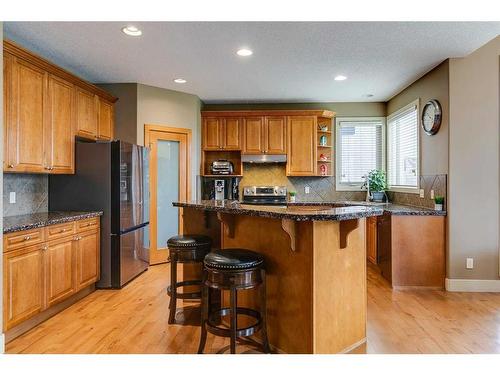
[154, 135]
[253, 135]
[26, 125]
[61, 129]
[301, 142]
[275, 135]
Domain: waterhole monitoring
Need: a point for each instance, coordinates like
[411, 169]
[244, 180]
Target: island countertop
[297, 213]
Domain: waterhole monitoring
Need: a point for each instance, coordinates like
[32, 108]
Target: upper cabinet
[301, 138]
[221, 133]
[253, 135]
[45, 107]
[264, 135]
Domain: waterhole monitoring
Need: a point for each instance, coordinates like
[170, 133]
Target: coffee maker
[220, 188]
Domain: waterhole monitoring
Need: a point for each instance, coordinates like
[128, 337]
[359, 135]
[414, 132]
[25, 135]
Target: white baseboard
[2, 343]
[465, 285]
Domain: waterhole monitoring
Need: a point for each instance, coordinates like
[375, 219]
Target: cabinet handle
[78, 238]
[11, 165]
[63, 230]
[45, 248]
[27, 238]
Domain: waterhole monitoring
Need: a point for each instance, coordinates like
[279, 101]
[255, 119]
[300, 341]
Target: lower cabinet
[371, 239]
[37, 277]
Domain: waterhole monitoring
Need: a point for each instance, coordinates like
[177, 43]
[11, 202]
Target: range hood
[263, 158]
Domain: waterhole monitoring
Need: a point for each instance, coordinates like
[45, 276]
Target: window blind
[402, 163]
[359, 150]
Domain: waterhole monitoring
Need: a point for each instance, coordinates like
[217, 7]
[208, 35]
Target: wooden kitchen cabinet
[301, 142]
[105, 120]
[371, 239]
[87, 259]
[86, 114]
[253, 135]
[60, 145]
[45, 266]
[44, 108]
[25, 124]
[23, 292]
[60, 269]
[275, 135]
[221, 134]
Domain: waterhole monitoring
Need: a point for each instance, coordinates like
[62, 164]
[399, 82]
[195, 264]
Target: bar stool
[188, 248]
[233, 270]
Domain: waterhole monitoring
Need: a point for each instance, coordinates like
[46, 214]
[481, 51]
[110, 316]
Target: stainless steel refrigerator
[111, 177]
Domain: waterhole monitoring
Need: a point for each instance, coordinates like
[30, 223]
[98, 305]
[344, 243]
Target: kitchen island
[315, 265]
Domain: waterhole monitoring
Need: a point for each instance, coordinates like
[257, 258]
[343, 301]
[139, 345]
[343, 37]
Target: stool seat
[233, 259]
[189, 240]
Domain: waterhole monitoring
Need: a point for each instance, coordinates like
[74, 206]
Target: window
[402, 145]
[360, 148]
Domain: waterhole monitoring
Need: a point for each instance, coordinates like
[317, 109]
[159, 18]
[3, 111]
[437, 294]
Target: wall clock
[431, 117]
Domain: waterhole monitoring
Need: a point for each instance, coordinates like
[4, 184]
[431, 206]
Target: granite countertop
[388, 208]
[43, 219]
[294, 212]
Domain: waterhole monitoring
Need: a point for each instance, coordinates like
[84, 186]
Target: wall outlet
[12, 197]
[307, 190]
[422, 193]
[469, 263]
[432, 194]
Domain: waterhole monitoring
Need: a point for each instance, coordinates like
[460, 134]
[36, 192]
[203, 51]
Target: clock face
[431, 117]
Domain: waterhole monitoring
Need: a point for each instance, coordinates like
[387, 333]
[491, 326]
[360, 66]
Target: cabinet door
[275, 135]
[212, 137]
[301, 146]
[87, 259]
[231, 134]
[253, 131]
[61, 129]
[86, 114]
[26, 125]
[23, 290]
[7, 100]
[106, 120]
[371, 239]
[59, 261]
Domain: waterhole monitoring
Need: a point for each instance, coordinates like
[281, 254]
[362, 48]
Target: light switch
[422, 193]
[12, 197]
[307, 189]
[469, 264]
[432, 194]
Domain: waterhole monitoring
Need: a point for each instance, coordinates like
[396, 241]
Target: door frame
[149, 129]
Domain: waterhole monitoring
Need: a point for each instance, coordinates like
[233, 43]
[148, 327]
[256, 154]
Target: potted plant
[438, 203]
[377, 184]
[292, 195]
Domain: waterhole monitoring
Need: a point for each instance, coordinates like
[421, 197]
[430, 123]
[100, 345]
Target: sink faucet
[366, 185]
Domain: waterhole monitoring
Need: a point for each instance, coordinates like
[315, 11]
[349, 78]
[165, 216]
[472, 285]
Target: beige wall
[171, 108]
[1, 191]
[125, 110]
[375, 109]
[474, 164]
[433, 85]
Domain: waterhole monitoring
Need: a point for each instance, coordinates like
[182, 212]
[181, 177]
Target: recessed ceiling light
[244, 52]
[340, 78]
[132, 31]
[180, 80]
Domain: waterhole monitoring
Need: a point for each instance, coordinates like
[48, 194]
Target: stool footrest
[192, 295]
[212, 327]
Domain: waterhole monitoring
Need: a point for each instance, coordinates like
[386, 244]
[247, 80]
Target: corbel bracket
[346, 227]
[228, 221]
[289, 226]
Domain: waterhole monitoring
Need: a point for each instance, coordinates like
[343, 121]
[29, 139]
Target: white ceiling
[291, 61]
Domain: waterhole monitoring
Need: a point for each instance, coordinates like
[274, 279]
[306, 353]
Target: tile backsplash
[322, 189]
[31, 193]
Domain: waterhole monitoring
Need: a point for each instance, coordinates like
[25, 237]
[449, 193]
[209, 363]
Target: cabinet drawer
[60, 230]
[17, 240]
[87, 224]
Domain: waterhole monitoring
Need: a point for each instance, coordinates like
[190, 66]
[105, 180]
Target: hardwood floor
[134, 320]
